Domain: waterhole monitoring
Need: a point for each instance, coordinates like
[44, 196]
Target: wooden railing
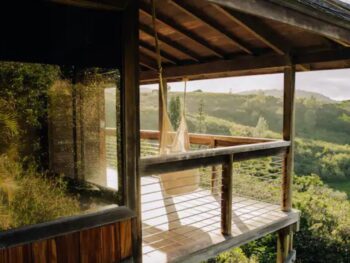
[224, 150]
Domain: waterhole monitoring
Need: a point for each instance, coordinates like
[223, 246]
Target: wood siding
[105, 244]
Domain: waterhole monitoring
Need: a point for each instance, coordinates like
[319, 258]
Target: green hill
[314, 119]
[300, 94]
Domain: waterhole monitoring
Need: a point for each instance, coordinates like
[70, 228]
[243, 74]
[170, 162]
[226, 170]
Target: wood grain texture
[105, 244]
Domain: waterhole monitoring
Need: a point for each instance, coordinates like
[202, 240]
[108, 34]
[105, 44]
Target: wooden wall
[106, 244]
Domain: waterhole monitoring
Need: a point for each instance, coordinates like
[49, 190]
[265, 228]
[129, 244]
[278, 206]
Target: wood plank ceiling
[193, 32]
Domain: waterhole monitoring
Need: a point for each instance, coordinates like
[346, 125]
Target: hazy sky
[332, 83]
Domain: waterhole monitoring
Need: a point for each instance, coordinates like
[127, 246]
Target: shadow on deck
[188, 227]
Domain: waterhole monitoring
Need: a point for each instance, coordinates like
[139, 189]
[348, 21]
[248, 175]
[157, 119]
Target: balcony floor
[185, 227]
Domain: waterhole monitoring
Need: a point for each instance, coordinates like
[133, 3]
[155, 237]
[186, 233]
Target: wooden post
[131, 119]
[288, 135]
[284, 243]
[226, 198]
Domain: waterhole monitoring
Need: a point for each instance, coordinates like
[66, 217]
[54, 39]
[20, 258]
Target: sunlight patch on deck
[174, 226]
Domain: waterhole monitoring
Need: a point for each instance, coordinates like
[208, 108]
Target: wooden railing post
[284, 243]
[214, 174]
[226, 196]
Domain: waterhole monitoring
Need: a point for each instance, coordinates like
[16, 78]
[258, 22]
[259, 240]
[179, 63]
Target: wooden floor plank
[174, 227]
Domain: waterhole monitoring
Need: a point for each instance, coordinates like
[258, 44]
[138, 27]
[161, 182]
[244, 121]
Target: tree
[201, 118]
[175, 111]
[261, 127]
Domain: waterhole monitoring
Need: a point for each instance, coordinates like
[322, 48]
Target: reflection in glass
[59, 142]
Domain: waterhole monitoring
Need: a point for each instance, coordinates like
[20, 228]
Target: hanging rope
[185, 92]
[156, 43]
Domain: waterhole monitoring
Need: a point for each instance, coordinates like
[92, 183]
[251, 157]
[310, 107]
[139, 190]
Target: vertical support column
[131, 120]
[226, 196]
[284, 243]
[288, 135]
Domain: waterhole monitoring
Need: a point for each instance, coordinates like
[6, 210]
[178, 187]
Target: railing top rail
[199, 158]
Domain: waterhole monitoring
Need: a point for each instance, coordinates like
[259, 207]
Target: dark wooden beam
[164, 55]
[109, 5]
[212, 23]
[260, 30]
[289, 16]
[246, 64]
[226, 196]
[209, 157]
[130, 96]
[170, 22]
[257, 28]
[28, 234]
[288, 134]
[174, 45]
[148, 62]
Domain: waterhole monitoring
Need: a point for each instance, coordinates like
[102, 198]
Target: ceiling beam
[245, 64]
[283, 14]
[148, 62]
[108, 5]
[167, 41]
[170, 22]
[210, 22]
[260, 30]
[257, 28]
[164, 55]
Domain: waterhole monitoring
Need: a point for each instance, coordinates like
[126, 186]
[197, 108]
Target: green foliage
[235, 255]
[24, 86]
[325, 222]
[201, 128]
[175, 111]
[41, 199]
[27, 197]
[325, 225]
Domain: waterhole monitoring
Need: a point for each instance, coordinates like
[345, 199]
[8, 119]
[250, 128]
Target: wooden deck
[188, 227]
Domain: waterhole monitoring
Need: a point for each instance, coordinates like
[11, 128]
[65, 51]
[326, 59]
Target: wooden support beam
[131, 120]
[287, 15]
[170, 22]
[288, 135]
[257, 28]
[226, 196]
[245, 65]
[165, 56]
[209, 157]
[260, 30]
[212, 23]
[147, 62]
[174, 45]
[109, 5]
[284, 240]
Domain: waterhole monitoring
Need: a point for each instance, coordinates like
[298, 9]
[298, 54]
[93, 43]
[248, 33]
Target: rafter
[260, 30]
[147, 62]
[166, 56]
[282, 14]
[210, 22]
[170, 22]
[174, 45]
